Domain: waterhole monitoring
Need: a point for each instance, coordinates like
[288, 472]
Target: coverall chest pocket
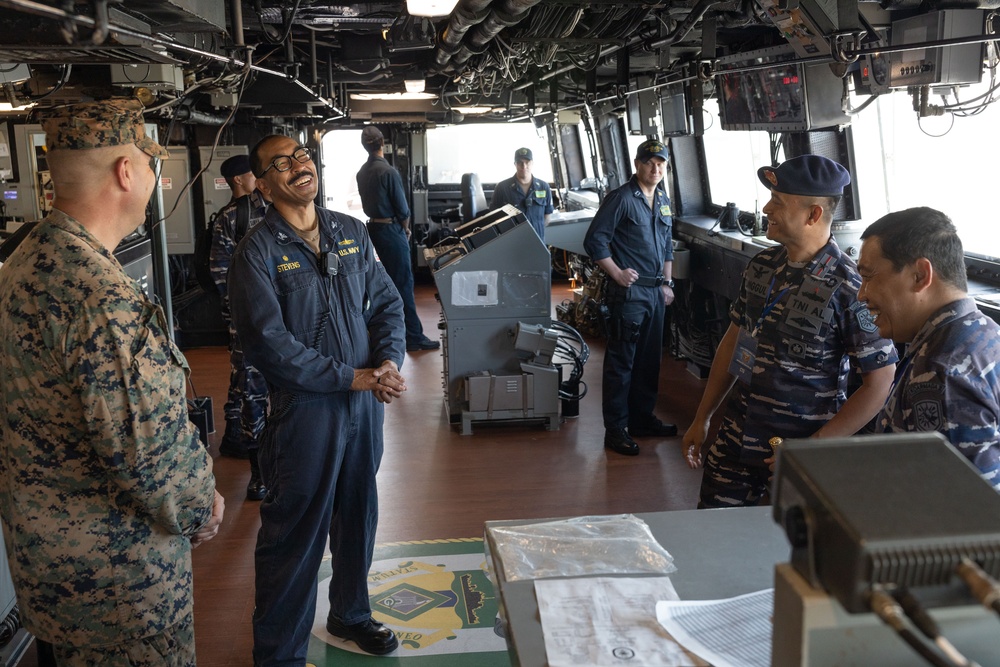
[351, 276]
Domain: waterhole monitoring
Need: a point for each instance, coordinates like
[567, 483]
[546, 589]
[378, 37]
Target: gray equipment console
[495, 285]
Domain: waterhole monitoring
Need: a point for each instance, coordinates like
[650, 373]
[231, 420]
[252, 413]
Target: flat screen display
[764, 98]
[673, 112]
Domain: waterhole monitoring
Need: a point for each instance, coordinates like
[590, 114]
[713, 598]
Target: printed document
[602, 621]
[728, 633]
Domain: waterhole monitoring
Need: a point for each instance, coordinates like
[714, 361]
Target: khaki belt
[381, 220]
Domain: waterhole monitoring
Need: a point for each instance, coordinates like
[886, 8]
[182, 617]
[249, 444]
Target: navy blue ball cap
[651, 148]
[523, 154]
[235, 166]
[807, 175]
[372, 136]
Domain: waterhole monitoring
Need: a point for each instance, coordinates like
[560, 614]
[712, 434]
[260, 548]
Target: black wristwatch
[669, 282]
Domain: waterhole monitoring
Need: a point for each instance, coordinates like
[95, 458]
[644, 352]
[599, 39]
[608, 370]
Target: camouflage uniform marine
[809, 324]
[246, 402]
[949, 381]
[102, 477]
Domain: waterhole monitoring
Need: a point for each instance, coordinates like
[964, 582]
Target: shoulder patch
[926, 401]
[865, 319]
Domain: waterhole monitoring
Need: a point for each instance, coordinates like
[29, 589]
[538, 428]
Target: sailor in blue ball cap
[530, 194]
[631, 239]
[795, 329]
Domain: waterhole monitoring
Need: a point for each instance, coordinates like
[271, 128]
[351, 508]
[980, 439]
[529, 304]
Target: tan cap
[113, 122]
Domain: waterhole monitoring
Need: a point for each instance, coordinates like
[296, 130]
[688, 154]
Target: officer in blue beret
[630, 238]
[795, 330]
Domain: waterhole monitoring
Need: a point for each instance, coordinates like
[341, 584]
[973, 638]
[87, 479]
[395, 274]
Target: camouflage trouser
[730, 482]
[174, 647]
[247, 397]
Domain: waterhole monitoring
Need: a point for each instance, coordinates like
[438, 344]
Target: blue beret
[235, 166]
[807, 175]
[651, 148]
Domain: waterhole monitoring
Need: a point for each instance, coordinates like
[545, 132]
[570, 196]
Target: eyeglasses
[284, 162]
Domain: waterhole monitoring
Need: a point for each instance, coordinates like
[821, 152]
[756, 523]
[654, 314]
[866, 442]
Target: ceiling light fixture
[430, 7]
[414, 85]
[393, 96]
[7, 106]
[472, 111]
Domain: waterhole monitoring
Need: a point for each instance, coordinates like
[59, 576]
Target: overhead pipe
[466, 14]
[236, 10]
[502, 14]
[188, 115]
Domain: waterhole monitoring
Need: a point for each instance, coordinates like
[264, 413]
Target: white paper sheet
[604, 621]
[735, 632]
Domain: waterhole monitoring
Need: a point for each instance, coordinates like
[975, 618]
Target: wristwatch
[669, 282]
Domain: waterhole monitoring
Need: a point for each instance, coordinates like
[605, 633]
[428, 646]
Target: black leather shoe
[618, 440]
[370, 636]
[255, 488]
[425, 344]
[654, 428]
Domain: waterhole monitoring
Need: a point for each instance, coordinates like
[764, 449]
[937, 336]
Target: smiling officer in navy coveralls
[319, 317]
[795, 328]
[630, 239]
[532, 196]
[913, 279]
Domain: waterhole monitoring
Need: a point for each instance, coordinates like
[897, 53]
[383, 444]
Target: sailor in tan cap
[104, 487]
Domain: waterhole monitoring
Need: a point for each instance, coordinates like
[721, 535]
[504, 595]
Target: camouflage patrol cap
[112, 122]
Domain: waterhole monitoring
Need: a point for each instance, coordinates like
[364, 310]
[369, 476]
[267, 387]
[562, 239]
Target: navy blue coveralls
[383, 198]
[307, 331]
[635, 237]
[535, 205]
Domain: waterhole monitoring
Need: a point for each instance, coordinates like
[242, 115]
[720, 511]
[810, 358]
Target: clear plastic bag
[588, 545]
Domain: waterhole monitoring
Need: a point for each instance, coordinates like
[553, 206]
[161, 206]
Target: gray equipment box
[494, 279]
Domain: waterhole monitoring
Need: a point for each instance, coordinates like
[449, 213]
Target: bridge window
[945, 162]
[484, 148]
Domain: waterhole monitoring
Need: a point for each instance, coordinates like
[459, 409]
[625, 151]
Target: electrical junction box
[568, 117]
[221, 100]
[947, 65]
[149, 75]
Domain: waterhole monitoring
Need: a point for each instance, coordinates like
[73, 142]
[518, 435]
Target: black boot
[255, 488]
[233, 443]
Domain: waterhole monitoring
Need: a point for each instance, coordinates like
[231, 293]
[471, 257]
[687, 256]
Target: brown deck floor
[436, 483]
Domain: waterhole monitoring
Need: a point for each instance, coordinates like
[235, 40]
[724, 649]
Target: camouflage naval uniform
[948, 381]
[246, 402]
[814, 326]
[102, 477]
